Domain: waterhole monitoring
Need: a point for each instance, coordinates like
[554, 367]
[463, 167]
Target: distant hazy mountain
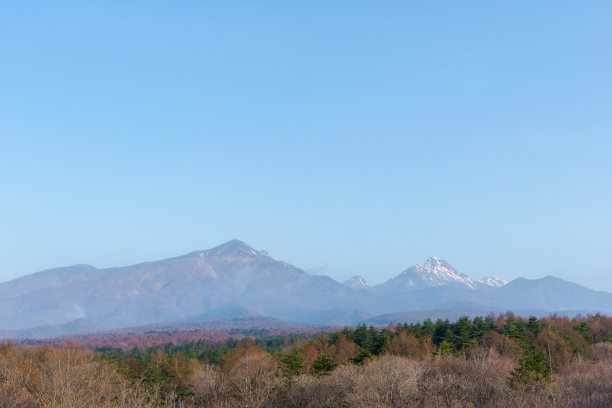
[232, 274]
[550, 293]
[235, 281]
[356, 282]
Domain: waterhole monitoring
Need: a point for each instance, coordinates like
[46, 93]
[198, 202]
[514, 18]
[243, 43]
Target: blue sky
[343, 137]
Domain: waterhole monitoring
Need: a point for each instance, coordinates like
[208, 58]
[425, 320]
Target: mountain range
[234, 281]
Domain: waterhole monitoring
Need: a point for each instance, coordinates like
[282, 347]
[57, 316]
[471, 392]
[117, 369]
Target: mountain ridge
[233, 279]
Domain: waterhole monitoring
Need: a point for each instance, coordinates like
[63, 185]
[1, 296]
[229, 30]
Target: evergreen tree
[361, 356]
[532, 367]
[445, 349]
[462, 333]
[583, 329]
[533, 325]
[427, 328]
[322, 365]
[441, 332]
[292, 363]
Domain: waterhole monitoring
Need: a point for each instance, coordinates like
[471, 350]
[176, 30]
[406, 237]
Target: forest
[492, 361]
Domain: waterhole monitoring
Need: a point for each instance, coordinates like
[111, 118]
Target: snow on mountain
[493, 281]
[433, 272]
[356, 282]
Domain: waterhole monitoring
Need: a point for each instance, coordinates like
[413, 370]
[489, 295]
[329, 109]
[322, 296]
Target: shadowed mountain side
[430, 298]
[552, 293]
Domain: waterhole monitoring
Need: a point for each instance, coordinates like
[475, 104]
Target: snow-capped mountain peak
[433, 272]
[493, 281]
[356, 282]
[438, 272]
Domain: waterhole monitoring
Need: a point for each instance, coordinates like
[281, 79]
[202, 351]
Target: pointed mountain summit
[234, 247]
[356, 282]
[433, 272]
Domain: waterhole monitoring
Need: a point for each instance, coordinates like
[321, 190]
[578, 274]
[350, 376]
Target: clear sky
[344, 137]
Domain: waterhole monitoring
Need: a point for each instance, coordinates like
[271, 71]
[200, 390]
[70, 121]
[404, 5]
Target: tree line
[492, 361]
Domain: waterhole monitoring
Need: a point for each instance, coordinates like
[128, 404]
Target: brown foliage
[309, 353]
[246, 346]
[405, 375]
[394, 381]
[407, 345]
[12, 396]
[556, 350]
[308, 391]
[322, 345]
[389, 381]
[210, 388]
[344, 349]
[249, 377]
[66, 377]
[254, 380]
[602, 352]
[599, 326]
[481, 381]
[585, 384]
[566, 326]
[501, 344]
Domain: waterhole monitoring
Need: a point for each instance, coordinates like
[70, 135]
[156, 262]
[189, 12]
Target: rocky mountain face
[234, 280]
[356, 282]
[493, 281]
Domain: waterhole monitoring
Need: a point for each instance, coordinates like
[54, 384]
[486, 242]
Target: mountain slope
[52, 278]
[176, 288]
[553, 294]
[234, 280]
